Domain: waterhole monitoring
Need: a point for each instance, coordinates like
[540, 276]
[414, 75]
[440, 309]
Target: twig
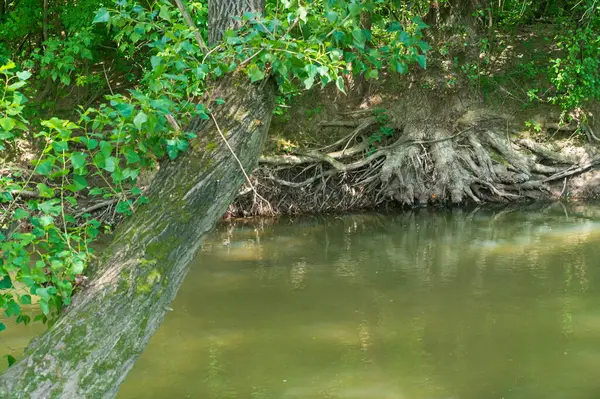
[239, 162]
[97, 206]
[305, 182]
[363, 126]
[564, 188]
[188, 20]
[107, 81]
[590, 132]
[173, 122]
[339, 123]
[573, 171]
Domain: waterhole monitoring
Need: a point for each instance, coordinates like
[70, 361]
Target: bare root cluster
[473, 160]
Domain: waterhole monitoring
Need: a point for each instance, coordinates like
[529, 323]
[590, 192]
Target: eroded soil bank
[398, 142]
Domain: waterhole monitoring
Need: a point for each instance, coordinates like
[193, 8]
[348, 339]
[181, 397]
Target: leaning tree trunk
[91, 348]
[89, 351]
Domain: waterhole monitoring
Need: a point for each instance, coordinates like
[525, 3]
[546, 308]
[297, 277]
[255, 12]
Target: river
[417, 305]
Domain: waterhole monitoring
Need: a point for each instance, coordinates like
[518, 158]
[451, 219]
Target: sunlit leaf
[102, 16]
[255, 73]
[140, 119]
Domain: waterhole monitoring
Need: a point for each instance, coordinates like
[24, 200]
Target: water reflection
[420, 305]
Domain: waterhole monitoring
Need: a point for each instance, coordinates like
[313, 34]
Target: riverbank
[377, 150]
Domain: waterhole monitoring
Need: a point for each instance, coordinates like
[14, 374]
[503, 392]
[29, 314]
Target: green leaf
[311, 70]
[60, 146]
[24, 75]
[332, 16]
[172, 150]
[16, 85]
[20, 214]
[164, 13]
[355, 9]
[78, 267]
[7, 67]
[106, 148]
[11, 360]
[255, 73]
[405, 38]
[49, 207]
[420, 24]
[132, 156]
[79, 183]
[6, 283]
[155, 61]
[308, 82]
[394, 27]
[91, 144]
[44, 306]
[140, 119]
[7, 123]
[45, 191]
[339, 82]
[13, 308]
[96, 191]
[44, 168]
[102, 16]
[43, 293]
[372, 74]
[401, 67]
[124, 207]
[110, 164]
[78, 160]
[421, 60]
[424, 46]
[359, 38]
[124, 109]
[46, 221]
[2, 328]
[181, 145]
[25, 299]
[302, 13]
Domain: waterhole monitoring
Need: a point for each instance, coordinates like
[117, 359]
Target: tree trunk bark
[221, 12]
[91, 348]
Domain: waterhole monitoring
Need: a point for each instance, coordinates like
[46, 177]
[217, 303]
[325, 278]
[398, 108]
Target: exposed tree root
[470, 160]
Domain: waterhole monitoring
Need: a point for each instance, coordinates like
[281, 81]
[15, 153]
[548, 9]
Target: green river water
[419, 305]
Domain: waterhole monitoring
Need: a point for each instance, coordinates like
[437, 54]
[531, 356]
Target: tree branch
[188, 20]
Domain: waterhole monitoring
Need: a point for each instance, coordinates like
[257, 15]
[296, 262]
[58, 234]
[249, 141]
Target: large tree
[90, 349]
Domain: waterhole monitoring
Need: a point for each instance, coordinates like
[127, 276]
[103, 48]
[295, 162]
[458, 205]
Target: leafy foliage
[144, 75]
[45, 238]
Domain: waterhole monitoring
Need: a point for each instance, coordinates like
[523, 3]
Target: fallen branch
[97, 206]
[26, 193]
[364, 125]
[558, 126]
[573, 171]
[339, 123]
[544, 151]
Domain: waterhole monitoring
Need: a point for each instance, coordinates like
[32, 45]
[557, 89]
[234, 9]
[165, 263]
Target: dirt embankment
[411, 142]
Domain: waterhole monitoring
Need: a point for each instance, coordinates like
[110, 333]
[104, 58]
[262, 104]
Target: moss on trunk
[90, 349]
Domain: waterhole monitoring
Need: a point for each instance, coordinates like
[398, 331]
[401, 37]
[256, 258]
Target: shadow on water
[421, 305]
